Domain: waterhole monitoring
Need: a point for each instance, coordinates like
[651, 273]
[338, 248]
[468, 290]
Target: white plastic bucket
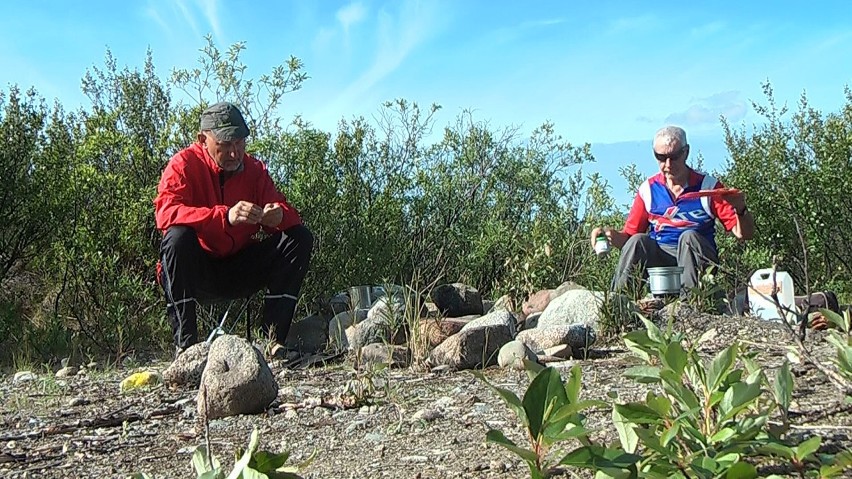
[760, 295]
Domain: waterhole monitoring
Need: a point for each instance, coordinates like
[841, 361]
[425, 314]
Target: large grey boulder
[576, 336]
[477, 344]
[236, 380]
[501, 319]
[309, 335]
[457, 299]
[340, 322]
[393, 356]
[512, 355]
[186, 369]
[581, 306]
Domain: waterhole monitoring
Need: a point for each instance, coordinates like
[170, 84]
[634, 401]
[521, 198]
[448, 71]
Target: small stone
[291, 414]
[11, 445]
[427, 415]
[23, 376]
[417, 459]
[66, 372]
[364, 411]
[82, 372]
[374, 437]
[77, 401]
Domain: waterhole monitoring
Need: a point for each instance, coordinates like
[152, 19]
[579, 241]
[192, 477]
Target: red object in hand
[716, 193]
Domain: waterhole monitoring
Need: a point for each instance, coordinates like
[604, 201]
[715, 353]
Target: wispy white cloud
[399, 33]
[210, 9]
[174, 16]
[705, 30]
[542, 23]
[350, 15]
[706, 111]
[621, 25]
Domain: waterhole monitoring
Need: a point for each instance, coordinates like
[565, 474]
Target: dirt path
[420, 424]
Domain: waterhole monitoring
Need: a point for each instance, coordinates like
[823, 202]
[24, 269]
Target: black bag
[817, 301]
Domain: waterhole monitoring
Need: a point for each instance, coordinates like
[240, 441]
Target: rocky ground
[409, 423]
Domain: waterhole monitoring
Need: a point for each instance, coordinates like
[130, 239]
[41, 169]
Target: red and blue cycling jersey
[656, 210]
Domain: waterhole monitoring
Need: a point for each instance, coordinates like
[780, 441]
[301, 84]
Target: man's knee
[303, 239]
[637, 240]
[179, 238]
[689, 237]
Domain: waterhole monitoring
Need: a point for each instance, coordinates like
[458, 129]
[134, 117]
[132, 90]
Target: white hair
[671, 134]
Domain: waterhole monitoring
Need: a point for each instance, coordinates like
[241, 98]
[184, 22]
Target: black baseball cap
[225, 121]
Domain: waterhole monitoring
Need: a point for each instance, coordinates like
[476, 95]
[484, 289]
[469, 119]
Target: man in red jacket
[213, 199]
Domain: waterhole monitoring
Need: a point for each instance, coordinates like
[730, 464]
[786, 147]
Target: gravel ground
[412, 423]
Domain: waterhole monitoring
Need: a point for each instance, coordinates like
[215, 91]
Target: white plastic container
[601, 245]
[760, 295]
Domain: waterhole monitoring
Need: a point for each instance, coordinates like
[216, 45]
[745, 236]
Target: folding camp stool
[220, 329]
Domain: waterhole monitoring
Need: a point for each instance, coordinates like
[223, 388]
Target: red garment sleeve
[171, 206]
[637, 218]
[723, 210]
[270, 194]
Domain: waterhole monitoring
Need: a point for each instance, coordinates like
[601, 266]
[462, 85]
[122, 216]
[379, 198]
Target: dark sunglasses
[676, 156]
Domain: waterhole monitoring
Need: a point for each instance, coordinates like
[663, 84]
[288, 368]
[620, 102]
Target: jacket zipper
[222, 199]
[222, 187]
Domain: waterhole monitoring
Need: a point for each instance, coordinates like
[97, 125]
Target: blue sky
[609, 73]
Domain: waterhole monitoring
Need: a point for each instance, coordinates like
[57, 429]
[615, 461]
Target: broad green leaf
[265, 461]
[658, 403]
[738, 397]
[675, 358]
[741, 470]
[776, 449]
[807, 447]
[497, 437]
[783, 387]
[705, 466]
[508, 397]
[669, 434]
[545, 394]
[649, 440]
[722, 435]
[654, 333]
[568, 411]
[727, 459]
[532, 368]
[597, 457]
[574, 384]
[626, 435]
[638, 413]
[199, 460]
[835, 319]
[673, 386]
[242, 463]
[720, 366]
[571, 433]
[644, 374]
[250, 473]
[214, 474]
[638, 342]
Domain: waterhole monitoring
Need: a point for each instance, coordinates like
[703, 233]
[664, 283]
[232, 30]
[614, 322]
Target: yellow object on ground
[141, 379]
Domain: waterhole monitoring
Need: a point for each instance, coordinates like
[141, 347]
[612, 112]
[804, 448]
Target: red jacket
[194, 192]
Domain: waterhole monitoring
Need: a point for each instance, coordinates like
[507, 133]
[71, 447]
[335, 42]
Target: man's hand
[272, 215]
[615, 237]
[737, 201]
[245, 212]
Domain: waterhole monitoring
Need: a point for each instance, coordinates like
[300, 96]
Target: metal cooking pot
[665, 280]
